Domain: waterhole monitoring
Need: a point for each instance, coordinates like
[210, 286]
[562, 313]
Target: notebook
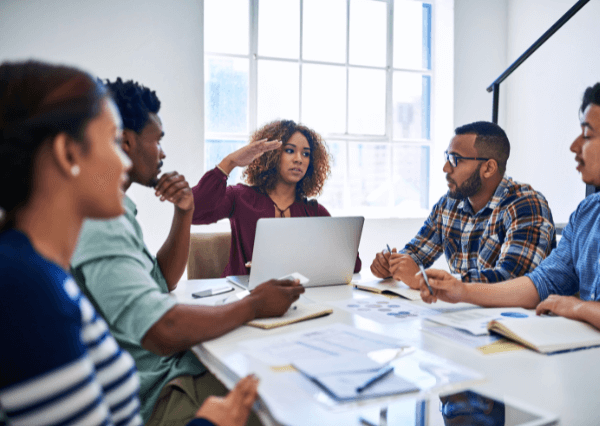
[298, 312]
[323, 249]
[547, 334]
[389, 286]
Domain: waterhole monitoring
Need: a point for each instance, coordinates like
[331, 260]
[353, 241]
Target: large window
[359, 72]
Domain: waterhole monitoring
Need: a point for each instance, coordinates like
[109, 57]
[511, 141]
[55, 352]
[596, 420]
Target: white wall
[539, 102]
[480, 48]
[154, 42]
[544, 96]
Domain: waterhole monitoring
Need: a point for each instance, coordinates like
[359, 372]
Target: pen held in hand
[388, 248]
[380, 374]
[426, 279]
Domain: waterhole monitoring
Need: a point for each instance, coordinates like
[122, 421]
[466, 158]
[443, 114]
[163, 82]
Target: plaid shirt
[509, 237]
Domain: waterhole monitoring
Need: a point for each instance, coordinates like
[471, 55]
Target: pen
[380, 374]
[389, 249]
[425, 278]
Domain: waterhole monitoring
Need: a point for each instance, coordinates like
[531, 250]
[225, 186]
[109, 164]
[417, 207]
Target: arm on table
[571, 307]
[425, 247]
[184, 326]
[519, 292]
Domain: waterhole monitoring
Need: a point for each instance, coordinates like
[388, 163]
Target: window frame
[346, 138]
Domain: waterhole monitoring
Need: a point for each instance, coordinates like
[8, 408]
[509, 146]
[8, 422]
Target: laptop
[323, 249]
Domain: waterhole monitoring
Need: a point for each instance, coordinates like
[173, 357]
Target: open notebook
[547, 334]
[389, 286]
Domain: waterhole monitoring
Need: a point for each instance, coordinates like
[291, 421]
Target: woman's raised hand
[247, 154]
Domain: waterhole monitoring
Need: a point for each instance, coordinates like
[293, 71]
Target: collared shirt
[115, 270]
[507, 238]
[573, 267]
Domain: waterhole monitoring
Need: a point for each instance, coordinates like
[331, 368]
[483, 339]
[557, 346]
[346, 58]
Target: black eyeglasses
[453, 158]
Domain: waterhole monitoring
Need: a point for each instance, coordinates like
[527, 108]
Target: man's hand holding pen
[381, 266]
[404, 268]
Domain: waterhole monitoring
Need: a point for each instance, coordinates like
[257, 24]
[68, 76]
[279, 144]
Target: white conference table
[566, 384]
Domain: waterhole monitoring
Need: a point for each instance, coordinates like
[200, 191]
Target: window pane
[226, 95]
[216, 150]
[279, 28]
[333, 192]
[226, 26]
[324, 23]
[412, 34]
[368, 32]
[369, 177]
[411, 105]
[411, 177]
[324, 98]
[366, 102]
[278, 91]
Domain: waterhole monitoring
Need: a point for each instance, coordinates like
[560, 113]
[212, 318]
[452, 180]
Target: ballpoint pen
[388, 248]
[425, 278]
[380, 374]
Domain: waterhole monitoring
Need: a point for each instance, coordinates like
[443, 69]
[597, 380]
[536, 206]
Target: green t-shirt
[115, 270]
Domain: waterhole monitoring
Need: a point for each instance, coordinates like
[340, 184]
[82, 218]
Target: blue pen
[389, 249]
[380, 374]
[425, 278]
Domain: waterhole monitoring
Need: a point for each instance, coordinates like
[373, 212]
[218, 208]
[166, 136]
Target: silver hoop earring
[75, 170]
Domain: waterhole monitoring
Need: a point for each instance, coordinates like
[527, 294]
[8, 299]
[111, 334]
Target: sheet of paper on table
[336, 342]
[475, 320]
[384, 310]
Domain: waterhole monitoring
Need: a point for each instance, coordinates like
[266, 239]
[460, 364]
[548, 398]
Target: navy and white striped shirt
[573, 266]
[59, 365]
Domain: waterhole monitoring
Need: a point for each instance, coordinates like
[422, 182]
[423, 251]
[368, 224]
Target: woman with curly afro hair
[285, 164]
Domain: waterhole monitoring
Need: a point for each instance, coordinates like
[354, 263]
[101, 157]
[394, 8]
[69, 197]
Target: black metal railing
[495, 86]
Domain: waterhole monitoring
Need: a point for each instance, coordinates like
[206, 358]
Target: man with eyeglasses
[567, 283]
[490, 227]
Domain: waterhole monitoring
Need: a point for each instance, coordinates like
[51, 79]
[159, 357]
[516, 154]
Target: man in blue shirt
[572, 267]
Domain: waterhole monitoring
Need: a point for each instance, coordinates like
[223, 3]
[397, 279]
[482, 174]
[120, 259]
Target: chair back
[209, 254]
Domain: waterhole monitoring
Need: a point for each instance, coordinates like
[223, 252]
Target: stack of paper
[343, 377]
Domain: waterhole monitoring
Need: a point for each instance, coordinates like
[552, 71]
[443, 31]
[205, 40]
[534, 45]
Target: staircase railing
[495, 86]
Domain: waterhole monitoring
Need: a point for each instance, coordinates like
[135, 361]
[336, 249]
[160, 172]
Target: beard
[154, 180]
[469, 187]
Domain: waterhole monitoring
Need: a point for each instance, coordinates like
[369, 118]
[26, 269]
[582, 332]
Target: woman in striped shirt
[60, 162]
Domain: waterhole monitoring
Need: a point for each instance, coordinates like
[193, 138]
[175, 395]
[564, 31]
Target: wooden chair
[209, 254]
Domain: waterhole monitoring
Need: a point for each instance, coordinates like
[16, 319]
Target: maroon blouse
[243, 205]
